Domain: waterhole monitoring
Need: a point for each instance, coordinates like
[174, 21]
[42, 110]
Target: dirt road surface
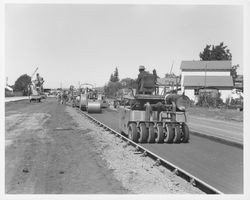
[51, 149]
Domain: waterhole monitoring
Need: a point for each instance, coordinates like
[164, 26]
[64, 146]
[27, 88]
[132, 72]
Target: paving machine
[103, 100]
[147, 117]
[88, 99]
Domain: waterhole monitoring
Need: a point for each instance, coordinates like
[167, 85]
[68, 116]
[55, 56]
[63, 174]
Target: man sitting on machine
[145, 82]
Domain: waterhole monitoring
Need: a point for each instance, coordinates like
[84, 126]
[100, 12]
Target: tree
[114, 85]
[111, 79]
[206, 54]
[111, 89]
[219, 52]
[22, 83]
[116, 75]
[128, 83]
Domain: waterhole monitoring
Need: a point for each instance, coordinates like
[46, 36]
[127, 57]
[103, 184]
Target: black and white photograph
[130, 98]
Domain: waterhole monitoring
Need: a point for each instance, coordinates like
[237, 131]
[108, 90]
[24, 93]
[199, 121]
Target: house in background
[209, 75]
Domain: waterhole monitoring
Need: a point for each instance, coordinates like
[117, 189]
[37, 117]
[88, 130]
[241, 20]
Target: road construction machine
[35, 88]
[88, 100]
[103, 100]
[148, 117]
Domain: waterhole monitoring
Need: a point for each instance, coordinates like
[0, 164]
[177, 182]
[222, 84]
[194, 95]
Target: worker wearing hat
[141, 68]
[140, 75]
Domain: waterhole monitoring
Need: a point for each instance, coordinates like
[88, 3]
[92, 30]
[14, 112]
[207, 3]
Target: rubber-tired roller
[147, 117]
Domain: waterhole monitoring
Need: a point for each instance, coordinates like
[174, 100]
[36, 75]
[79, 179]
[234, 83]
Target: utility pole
[172, 67]
[170, 77]
[34, 72]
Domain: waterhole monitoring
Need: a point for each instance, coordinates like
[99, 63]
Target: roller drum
[94, 107]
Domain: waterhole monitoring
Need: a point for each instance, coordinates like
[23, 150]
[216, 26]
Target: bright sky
[72, 43]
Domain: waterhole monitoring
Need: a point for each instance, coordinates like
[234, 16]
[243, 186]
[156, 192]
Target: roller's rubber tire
[159, 134]
[169, 134]
[185, 131]
[151, 135]
[143, 134]
[177, 135]
[132, 132]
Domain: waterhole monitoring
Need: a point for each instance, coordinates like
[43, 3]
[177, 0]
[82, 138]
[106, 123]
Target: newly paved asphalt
[228, 130]
[218, 164]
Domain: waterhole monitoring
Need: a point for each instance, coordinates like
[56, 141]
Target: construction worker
[140, 76]
[71, 94]
[64, 97]
[59, 97]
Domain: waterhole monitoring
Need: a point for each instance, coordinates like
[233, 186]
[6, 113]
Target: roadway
[218, 164]
[231, 131]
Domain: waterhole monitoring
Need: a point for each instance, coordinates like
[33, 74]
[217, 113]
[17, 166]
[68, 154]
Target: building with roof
[215, 75]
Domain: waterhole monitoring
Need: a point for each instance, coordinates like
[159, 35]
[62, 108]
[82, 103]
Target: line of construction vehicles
[145, 115]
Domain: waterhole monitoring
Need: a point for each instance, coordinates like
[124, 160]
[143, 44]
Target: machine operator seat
[147, 84]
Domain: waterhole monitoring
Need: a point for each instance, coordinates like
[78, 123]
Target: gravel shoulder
[47, 153]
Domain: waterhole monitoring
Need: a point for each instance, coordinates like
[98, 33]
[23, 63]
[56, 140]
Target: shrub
[207, 100]
[9, 94]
